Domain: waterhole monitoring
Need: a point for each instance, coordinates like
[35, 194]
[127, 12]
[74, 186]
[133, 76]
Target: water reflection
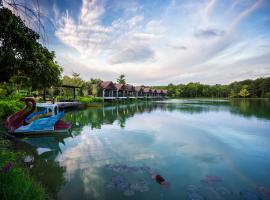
[109, 114]
[42, 165]
[185, 141]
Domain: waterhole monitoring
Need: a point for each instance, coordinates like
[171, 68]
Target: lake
[203, 149]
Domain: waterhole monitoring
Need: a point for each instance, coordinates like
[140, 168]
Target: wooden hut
[147, 92]
[120, 90]
[139, 91]
[158, 93]
[130, 90]
[108, 89]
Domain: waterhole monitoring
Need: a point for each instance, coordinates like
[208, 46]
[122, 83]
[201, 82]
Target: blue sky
[158, 42]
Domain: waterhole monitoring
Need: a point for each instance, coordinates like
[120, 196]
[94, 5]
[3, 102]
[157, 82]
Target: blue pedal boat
[37, 118]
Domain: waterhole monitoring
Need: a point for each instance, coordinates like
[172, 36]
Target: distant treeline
[259, 88]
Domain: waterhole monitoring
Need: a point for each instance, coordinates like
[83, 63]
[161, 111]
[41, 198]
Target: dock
[67, 104]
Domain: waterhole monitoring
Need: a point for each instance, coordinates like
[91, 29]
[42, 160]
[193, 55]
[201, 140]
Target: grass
[15, 181]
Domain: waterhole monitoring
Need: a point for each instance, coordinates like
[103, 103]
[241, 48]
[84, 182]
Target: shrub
[7, 107]
[16, 183]
[87, 100]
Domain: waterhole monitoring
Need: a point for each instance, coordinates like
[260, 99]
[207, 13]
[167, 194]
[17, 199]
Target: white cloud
[157, 50]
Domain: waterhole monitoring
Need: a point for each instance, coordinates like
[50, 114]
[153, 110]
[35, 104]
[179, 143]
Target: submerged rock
[120, 184]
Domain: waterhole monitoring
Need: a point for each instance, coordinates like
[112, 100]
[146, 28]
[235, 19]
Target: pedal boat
[37, 118]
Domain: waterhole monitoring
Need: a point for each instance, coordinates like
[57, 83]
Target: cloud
[187, 41]
[135, 54]
[209, 33]
[179, 47]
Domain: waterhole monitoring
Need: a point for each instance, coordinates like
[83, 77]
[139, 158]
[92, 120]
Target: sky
[157, 42]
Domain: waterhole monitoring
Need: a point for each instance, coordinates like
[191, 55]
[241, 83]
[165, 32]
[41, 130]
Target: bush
[87, 100]
[16, 183]
[7, 107]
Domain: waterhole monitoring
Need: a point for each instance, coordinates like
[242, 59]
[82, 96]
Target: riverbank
[16, 182]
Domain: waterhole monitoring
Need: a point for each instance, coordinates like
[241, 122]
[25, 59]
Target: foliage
[16, 183]
[95, 86]
[244, 92]
[121, 79]
[7, 107]
[87, 100]
[75, 80]
[247, 88]
[23, 60]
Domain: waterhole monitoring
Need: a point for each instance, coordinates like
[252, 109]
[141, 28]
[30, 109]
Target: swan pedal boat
[37, 118]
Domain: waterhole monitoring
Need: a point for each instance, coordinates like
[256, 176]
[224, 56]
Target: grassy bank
[16, 183]
[9, 106]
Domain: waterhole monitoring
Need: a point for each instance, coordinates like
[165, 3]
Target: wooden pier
[68, 104]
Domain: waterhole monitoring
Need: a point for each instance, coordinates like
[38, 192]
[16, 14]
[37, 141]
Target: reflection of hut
[108, 88]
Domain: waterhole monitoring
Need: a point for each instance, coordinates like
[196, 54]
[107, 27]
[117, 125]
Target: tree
[95, 86]
[232, 94]
[244, 92]
[22, 56]
[121, 79]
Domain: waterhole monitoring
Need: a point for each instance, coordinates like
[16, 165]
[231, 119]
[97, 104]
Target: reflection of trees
[43, 166]
[259, 108]
[96, 117]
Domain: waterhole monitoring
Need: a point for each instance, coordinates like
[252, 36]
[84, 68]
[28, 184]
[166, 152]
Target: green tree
[22, 56]
[121, 79]
[232, 94]
[244, 92]
[95, 86]
[75, 80]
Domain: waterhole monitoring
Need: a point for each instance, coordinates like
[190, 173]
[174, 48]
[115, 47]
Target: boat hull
[59, 127]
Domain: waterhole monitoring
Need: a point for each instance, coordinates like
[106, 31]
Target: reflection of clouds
[144, 156]
[195, 144]
[93, 180]
[90, 151]
[209, 158]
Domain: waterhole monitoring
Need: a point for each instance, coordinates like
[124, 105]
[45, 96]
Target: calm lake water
[204, 149]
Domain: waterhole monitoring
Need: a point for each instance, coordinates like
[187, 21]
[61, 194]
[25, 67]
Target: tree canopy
[121, 79]
[247, 88]
[23, 59]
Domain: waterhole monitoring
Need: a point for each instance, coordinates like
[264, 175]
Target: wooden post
[74, 93]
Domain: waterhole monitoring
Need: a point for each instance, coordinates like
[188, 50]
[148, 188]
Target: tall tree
[22, 56]
[121, 79]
